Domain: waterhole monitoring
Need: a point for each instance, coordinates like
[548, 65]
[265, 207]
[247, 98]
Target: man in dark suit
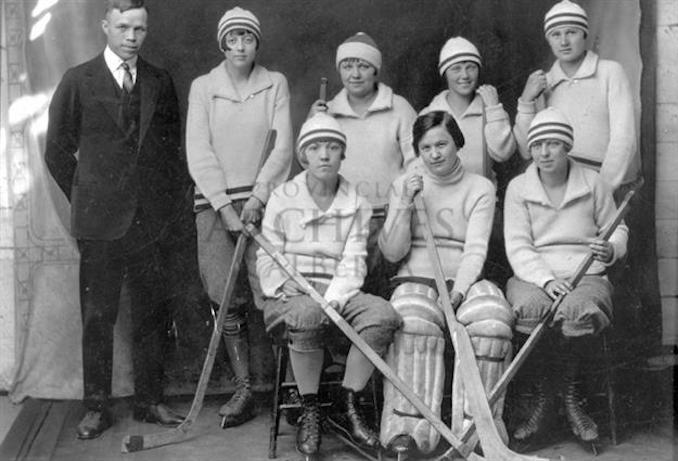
[120, 115]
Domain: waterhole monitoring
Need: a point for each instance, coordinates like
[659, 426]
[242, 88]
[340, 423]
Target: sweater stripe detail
[586, 161]
[317, 275]
[431, 283]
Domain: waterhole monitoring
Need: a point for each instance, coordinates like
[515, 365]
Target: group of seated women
[554, 214]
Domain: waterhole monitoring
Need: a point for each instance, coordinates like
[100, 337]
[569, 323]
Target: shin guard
[488, 320]
[416, 356]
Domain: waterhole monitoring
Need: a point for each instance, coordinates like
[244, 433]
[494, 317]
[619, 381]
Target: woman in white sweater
[320, 224]
[230, 111]
[593, 93]
[460, 207]
[555, 213]
[378, 127]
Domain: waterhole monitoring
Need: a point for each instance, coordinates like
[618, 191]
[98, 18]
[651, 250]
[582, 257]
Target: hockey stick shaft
[132, 443]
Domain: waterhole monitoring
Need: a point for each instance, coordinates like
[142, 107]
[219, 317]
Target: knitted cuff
[527, 107]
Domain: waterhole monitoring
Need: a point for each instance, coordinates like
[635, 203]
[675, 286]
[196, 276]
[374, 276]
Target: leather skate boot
[543, 402]
[348, 419]
[240, 407]
[308, 428]
[582, 425]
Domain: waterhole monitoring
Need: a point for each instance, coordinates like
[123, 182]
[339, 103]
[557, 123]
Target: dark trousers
[104, 265]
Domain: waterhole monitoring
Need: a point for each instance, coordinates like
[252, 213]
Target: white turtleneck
[460, 209]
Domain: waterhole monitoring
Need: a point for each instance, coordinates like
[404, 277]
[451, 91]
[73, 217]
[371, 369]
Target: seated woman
[460, 206]
[554, 214]
[320, 223]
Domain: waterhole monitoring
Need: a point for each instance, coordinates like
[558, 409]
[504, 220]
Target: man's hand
[557, 288]
[535, 85]
[488, 94]
[252, 211]
[334, 304]
[230, 218]
[602, 250]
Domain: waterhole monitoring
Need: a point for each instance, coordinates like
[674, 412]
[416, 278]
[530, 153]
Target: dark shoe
[158, 414]
[94, 424]
[308, 427]
[350, 420]
[543, 401]
[240, 407]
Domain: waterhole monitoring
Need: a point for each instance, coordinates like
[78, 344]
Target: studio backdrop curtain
[299, 39]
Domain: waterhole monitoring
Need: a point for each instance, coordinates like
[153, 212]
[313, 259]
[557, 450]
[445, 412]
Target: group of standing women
[348, 222]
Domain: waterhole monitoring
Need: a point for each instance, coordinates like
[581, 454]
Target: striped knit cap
[457, 49]
[238, 18]
[359, 46]
[320, 127]
[550, 123]
[566, 13]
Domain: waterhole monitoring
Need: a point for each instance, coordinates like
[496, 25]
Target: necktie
[127, 82]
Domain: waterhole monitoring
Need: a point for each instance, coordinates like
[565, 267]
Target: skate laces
[310, 423]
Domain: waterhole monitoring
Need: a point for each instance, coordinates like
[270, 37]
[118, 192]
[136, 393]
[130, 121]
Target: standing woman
[555, 213]
[378, 127]
[319, 222]
[485, 125]
[230, 112]
[476, 109]
[593, 93]
[461, 207]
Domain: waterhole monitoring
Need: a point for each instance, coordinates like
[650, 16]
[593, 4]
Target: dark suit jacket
[107, 181]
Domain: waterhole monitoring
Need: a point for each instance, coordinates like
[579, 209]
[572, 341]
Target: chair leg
[611, 397]
[275, 411]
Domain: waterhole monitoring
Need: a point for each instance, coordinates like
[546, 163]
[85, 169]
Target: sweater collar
[345, 202]
[259, 80]
[577, 186]
[587, 69]
[439, 102]
[452, 178]
[339, 105]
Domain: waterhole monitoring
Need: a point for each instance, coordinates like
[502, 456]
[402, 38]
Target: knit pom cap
[566, 13]
[359, 46]
[320, 127]
[550, 123]
[457, 49]
[238, 18]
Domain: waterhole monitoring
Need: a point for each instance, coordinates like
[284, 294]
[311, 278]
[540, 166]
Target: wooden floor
[45, 430]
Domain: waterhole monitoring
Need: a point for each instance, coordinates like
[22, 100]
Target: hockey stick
[469, 436]
[493, 447]
[132, 443]
[359, 342]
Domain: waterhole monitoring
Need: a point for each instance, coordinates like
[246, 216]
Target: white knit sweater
[545, 242]
[598, 101]
[460, 209]
[326, 246]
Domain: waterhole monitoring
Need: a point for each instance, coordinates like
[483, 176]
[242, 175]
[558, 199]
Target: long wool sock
[307, 367]
[358, 370]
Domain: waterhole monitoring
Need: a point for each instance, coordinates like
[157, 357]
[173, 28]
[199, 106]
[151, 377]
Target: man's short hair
[123, 5]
